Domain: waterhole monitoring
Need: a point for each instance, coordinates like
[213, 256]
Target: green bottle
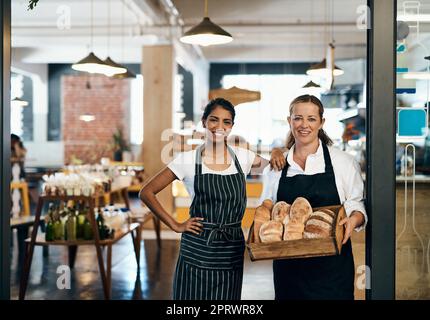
[71, 227]
[88, 230]
[49, 235]
[101, 225]
[58, 230]
[80, 224]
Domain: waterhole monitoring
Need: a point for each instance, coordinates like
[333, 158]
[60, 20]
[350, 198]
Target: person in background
[325, 176]
[211, 256]
[18, 153]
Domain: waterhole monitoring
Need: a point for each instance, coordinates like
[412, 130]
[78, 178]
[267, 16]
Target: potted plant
[120, 145]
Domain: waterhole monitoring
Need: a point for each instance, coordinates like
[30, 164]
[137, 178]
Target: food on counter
[319, 224]
[280, 211]
[262, 215]
[271, 231]
[300, 210]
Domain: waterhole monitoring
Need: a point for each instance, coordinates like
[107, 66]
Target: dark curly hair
[218, 102]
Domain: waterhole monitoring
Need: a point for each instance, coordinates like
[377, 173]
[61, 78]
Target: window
[265, 121]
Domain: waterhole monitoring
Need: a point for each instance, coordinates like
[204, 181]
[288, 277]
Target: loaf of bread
[268, 204]
[271, 231]
[262, 215]
[319, 224]
[300, 210]
[293, 231]
[280, 210]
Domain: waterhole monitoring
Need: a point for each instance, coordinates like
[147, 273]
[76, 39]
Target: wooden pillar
[158, 70]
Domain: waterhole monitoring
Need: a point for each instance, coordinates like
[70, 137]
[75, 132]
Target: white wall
[40, 152]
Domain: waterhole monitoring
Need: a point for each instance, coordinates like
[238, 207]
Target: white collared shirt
[346, 169]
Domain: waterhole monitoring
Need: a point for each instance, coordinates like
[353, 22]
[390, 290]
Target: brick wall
[108, 100]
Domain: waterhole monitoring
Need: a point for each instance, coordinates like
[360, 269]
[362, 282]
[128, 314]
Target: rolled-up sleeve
[354, 192]
[269, 180]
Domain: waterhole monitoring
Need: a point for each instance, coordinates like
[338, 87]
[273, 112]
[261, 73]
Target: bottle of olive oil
[49, 235]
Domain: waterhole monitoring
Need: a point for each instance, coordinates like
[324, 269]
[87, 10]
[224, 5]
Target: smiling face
[305, 122]
[218, 124]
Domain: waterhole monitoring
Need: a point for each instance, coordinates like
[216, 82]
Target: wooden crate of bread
[300, 248]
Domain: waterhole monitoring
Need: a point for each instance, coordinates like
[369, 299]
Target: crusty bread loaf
[293, 231]
[268, 204]
[329, 212]
[280, 210]
[271, 231]
[319, 225]
[323, 216]
[262, 215]
[300, 210]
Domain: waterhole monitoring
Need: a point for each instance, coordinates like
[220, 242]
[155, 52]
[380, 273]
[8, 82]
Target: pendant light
[321, 69]
[311, 85]
[18, 102]
[90, 63]
[112, 67]
[128, 73]
[206, 33]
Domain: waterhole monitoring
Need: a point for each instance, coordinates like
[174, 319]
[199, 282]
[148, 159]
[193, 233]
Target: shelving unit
[134, 229]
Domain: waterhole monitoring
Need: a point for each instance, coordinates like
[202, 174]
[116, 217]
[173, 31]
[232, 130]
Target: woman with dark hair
[325, 176]
[210, 263]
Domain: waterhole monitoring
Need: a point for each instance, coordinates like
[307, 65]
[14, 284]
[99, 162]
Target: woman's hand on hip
[191, 225]
[355, 220]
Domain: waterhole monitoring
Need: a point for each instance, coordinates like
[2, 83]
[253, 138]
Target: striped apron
[210, 265]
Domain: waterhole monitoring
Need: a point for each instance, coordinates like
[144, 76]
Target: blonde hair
[321, 133]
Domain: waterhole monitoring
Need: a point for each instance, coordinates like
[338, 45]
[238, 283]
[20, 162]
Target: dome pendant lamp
[113, 68]
[206, 33]
[91, 63]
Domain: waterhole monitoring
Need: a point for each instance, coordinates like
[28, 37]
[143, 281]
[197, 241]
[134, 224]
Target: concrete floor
[153, 281]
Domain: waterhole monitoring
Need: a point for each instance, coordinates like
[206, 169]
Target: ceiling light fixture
[18, 102]
[112, 68]
[87, 117]
[324, 69]
[91, 63]
[206, 33]
[128, 73]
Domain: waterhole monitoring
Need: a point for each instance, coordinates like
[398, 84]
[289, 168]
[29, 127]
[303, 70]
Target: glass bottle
[71, 227]
[49, 235]
[101, 225]
[88, 230]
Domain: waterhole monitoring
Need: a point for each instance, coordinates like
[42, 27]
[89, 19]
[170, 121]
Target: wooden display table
[134, 229]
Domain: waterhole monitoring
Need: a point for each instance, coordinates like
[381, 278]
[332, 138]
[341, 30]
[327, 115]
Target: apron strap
[327, 161]
[198, 167]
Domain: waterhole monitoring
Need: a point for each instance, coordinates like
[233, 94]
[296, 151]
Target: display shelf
[38, 239]
[119, 234]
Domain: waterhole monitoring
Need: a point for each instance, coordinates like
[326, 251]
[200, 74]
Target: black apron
[210, 265]
[329, 277]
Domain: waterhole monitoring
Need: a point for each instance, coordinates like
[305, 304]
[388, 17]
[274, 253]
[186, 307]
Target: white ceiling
[269, 30]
